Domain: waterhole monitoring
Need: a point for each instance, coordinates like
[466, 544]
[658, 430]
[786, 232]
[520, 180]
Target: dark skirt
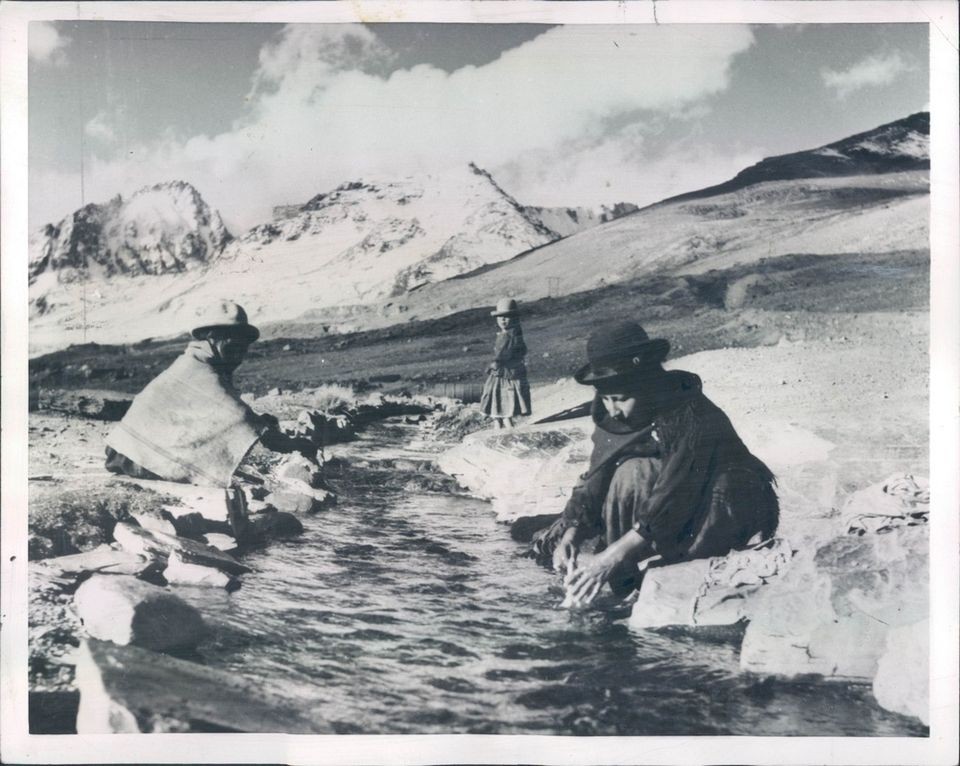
[505, 397]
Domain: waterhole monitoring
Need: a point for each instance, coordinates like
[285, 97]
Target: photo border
[941, 747]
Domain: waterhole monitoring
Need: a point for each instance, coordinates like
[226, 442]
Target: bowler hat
[226, 316]
[506, 307]
[620, 353]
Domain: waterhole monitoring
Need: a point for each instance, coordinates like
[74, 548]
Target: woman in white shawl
[189, 423]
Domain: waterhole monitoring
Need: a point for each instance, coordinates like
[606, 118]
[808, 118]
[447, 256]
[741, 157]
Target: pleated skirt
[505, 397]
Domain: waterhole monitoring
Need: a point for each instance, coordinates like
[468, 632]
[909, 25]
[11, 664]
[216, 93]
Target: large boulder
[830, 614]
[129, 611]
[708, 592]
[524, 472]
[159, 545]
[129, 690]
[902, 683]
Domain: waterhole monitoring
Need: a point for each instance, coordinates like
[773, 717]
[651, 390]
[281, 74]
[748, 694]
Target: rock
[179, 572]
[224, 543]
[125, 689]
[259, 506]
[525, 472]
[900, 500]
[102, 405]
[902, 682]
[274, 525]
[129, 611]
[299, 468]
[299, 497]
[159, 545]
[195, 526]
[154, 523]
[103, 559]
[715, 591]
[831, 612]
[211, 505]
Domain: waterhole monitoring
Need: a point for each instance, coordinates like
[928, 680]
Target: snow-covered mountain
[162, 229]
[365, 241]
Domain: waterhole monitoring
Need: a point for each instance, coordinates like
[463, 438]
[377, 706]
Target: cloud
[872, 71]
[100, 128]
[45, 44]
[325, 108]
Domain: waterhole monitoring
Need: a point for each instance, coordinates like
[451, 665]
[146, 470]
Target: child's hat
[506, 307]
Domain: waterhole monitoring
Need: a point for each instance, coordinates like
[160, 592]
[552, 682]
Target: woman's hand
[565, 552]
[584, 584]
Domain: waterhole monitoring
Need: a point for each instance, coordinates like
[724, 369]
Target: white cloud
[45, 44]
[100, 128]
[872, 71]
[323, 110]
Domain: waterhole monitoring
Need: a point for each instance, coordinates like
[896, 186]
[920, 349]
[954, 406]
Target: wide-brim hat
[506, 307]
[619, 354]
[226, 316]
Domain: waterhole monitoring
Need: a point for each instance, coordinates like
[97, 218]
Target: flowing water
[411, 612]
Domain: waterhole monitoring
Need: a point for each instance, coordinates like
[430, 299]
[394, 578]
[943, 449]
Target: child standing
[506, 392]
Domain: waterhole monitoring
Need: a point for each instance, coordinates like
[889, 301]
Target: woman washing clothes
[506, 392]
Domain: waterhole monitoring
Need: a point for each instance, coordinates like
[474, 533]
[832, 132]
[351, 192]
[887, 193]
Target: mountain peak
[159, 229]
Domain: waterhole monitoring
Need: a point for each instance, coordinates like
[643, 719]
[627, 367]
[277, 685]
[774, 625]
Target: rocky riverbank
[842, 593]
[113, 630]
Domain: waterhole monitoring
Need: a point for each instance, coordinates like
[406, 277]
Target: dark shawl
[695, 442]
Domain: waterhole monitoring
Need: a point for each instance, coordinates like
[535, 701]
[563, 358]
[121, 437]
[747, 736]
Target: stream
[405, 611]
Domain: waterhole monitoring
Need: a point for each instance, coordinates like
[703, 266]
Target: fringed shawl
[189, 424]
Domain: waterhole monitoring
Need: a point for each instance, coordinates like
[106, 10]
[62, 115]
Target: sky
[258, 115]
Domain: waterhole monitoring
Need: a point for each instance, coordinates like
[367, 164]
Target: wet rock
[102, 405]
[902, 682]
[159, 546]
[126, 689]
[179, 572]
[525, 472]
[275, 525]
[299, 497]
[129, 611]
[298, 468]
[715, 591]
[830, 614]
